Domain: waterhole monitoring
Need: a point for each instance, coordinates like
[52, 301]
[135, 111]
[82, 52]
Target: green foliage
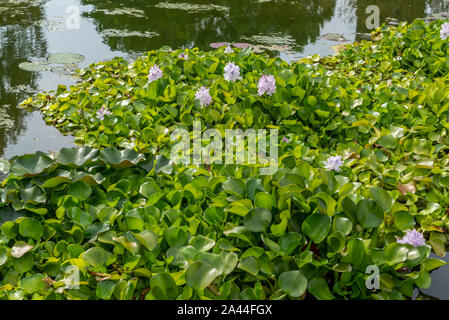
[137, 226]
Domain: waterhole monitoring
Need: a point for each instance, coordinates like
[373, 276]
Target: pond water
[35, 29]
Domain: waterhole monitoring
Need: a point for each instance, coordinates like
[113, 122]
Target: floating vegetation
[127, 33]
[272, 40]
[22, 89]
[67, 71]
[35, 66]
[337, 48]
[190, 7]
[5, 120]
[138, 13]
[437, 16]
[334, 37]
[50, 24]
[217, 45]
[63, 64]
[360, 167]
[65, 58]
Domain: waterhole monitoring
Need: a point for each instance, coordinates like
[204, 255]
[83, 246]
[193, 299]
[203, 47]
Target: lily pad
[35, 66]
[334, 37]
[217, 45]
[65, 58]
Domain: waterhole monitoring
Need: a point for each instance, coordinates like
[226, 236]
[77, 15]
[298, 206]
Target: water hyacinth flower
[183, 56]
[267, 84]
[155, 73]
[232, 72]
[333, 163]
[103, 112]
[444, 32]
[413, 237]
[228, 49]
[203, 96]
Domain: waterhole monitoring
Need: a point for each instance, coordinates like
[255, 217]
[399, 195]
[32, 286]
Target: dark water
[33, 29]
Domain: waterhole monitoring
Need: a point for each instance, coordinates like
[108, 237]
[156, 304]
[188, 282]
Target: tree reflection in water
[21, 39]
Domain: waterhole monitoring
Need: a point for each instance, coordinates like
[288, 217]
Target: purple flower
[103, 112]
[232, 72]
[333, 163]
[183, 56]
[228, 49]
[285, 139]
[444, 32]
[155, 73]
[267, 84]
[79, 112]
[203, 96]
[413, 238]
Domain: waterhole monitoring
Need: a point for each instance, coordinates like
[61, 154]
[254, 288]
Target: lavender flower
[79, 112]
[285, 139]
[155, 73]
[103, 112]
[228, 49]
[232, 72]
[183, 56]
[413, 238]
[203, 96]
[444, 32]
[333, 163]
[267, 84]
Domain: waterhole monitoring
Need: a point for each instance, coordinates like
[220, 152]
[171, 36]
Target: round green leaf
[163, 286]
[293, 282]
[258, 220]
[317, 226]
[31, 228]
[200, 274]
[369, 213]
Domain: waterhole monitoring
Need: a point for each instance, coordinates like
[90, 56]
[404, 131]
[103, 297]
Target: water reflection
[20, 40]
[293, 22]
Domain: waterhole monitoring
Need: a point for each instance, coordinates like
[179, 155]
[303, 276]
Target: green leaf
[258, 219]
[264, 200]
[319, 288]
[404, 220]
[31, 228]
[95, 256]
[148, 239]
[293, 282]
[76, 156]
[317, 226]
[235, 186]
[80, 190]
[30, 164]
[105, 289]
[382, 198]
[33, 283]
[163, 286]
[369, 213]
[200, 274]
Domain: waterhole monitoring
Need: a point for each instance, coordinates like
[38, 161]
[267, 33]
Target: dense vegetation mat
[362, 184]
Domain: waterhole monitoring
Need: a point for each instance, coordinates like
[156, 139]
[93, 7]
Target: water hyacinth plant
[135, 225]
[203, 96]
[155, 73]
[266, 85]
[232, 72]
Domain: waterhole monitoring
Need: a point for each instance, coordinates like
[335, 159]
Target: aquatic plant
[135, 225]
